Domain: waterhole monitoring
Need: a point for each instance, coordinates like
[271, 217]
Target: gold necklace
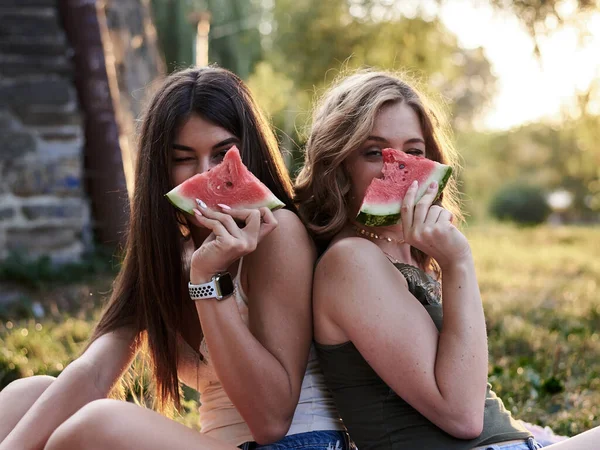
[362, 232]
[394, 260]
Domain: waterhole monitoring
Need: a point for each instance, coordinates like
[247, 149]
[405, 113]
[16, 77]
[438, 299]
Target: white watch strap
[202, 291]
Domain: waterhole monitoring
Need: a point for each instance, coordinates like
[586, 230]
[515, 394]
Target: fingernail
[197, 212]
[433, 185]
[201, 204]
[225, 207]
[414, 184]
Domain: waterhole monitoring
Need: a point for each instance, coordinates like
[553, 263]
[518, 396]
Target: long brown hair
[342, 120]
[150, 293]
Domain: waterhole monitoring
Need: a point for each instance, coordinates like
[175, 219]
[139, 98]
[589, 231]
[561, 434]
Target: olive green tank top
[377, 418]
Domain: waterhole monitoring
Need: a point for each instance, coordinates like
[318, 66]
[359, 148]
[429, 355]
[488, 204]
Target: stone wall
[46, 197]
[43, 205]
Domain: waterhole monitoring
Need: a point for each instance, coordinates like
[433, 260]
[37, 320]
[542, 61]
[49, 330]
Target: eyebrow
[376, 139]
[410, 141]
[185, 148]
[224, 142]
[231, 140]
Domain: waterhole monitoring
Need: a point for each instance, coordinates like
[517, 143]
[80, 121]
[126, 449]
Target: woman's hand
[429, 228]
[228, 242]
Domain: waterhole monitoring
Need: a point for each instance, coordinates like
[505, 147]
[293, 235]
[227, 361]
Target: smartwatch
[219, 287]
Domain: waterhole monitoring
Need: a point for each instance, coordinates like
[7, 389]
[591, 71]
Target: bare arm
[262, 368]
[88, 378]
[442, 375]
[462, 347]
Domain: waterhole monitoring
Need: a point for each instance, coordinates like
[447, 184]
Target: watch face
[224, 284]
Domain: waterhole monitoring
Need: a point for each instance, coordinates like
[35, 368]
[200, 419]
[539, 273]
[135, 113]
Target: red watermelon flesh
[383, 199]
[229, 183]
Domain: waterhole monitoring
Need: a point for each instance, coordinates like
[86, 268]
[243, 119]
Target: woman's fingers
[433, 215]
[212, 224]
[423, 206]
[250, 217]
[225, 219]
[268, 222]
[251, 231]
[407, 211]
[259, 222]
[228, 241]
[445, 216]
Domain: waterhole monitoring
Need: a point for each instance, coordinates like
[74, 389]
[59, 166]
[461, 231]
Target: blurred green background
[520, 81]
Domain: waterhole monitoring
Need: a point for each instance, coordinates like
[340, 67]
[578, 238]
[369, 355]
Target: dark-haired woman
[249, 354]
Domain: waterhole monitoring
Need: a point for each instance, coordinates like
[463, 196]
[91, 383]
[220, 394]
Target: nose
[204, 165]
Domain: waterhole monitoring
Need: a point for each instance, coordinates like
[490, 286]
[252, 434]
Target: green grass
[540, 290]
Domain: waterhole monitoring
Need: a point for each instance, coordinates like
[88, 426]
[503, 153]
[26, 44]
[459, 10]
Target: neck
[390, 240]
[393, 232]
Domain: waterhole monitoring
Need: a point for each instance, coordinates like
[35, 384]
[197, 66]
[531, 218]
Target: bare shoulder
[284, 258]
[289, 240]
[349, 255]
[352, 265]
[290, 225]
[287, 215]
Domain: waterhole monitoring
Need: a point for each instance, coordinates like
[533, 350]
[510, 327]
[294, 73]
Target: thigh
[584, 441]
[17, 398]
[120, 425]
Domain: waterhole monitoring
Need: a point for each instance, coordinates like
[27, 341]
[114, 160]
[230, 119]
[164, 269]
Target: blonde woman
[400, 380]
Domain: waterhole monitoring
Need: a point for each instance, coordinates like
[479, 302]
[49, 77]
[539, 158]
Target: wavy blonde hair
[341, 122]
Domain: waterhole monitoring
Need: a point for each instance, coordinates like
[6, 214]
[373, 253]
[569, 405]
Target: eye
[415, 152]
[221, 154]
[183, 159]
[373, 152]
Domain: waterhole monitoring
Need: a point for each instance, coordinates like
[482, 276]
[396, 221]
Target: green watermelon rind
[389, 214]
[180, 202]
[372, 220]
[187, 205]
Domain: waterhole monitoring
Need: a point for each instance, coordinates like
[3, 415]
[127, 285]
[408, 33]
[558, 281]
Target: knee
[30, 386]
[88, 428]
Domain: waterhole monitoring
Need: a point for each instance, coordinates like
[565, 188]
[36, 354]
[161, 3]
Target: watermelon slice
[383, 199]
[229, 183]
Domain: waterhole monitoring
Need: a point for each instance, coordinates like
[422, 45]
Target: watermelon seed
[228, 184]
[402, 166]
[403, 179]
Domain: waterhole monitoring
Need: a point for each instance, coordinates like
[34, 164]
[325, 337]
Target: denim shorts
[530, 444]
[313, 440]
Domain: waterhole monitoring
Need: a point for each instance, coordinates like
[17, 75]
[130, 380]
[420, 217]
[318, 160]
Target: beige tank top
[218, 416]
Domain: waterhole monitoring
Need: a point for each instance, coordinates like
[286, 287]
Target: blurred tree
[554, 157]
[314, 39]
[542, 17]
[582, 167]
[524, 204]
[564, 156]
[175, 32]
[234, 39]
[311, 42]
